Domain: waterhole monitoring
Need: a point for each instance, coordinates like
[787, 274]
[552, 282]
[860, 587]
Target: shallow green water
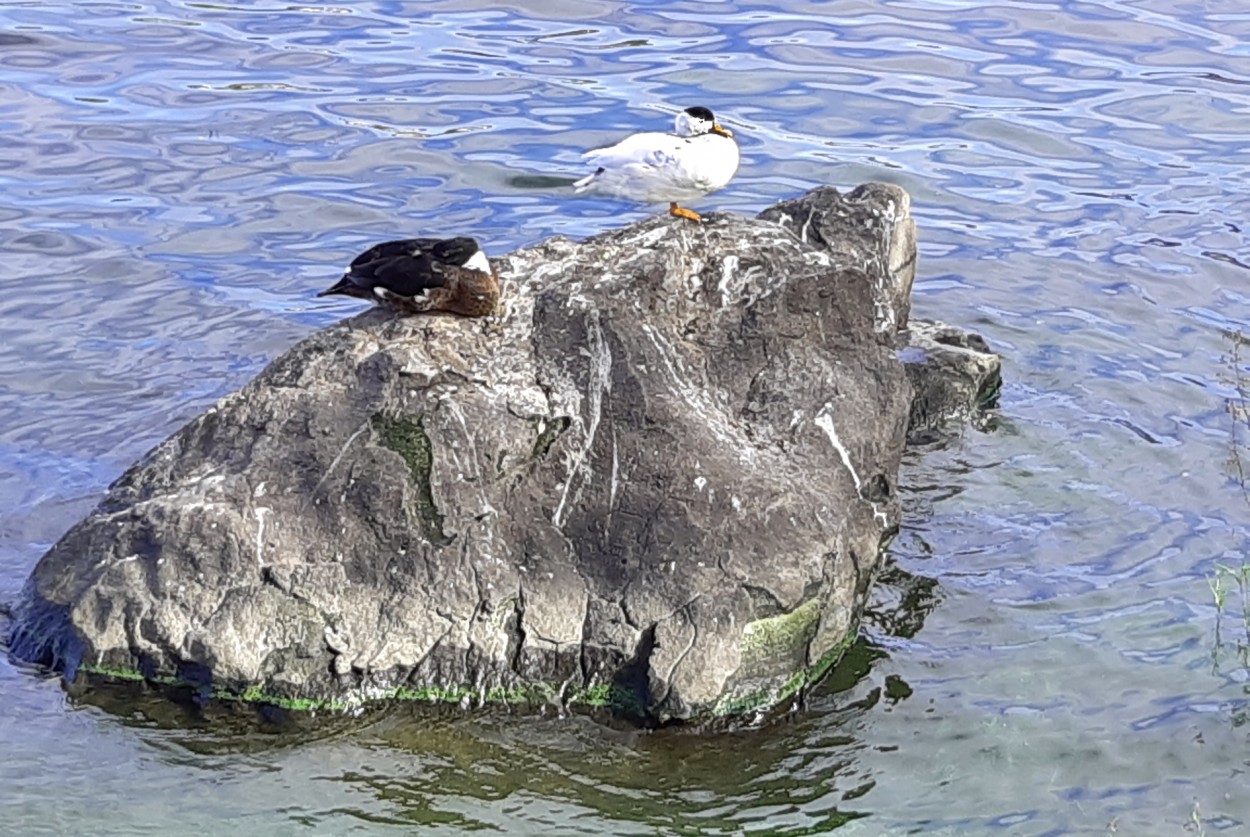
[178, 179]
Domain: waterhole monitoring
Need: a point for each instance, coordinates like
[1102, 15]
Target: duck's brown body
[423, 276]
[469, 293]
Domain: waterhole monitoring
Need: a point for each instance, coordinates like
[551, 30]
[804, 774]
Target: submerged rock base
[662, 480]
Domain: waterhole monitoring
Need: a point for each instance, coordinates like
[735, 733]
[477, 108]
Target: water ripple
[181, 177]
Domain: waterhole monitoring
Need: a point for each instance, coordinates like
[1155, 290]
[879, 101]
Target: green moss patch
[767, 645]
[987, 398]
[549, 432]
[780, 636]
[533, 694]
[407, 437]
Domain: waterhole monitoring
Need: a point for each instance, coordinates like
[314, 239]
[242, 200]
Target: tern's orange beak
[724, 132]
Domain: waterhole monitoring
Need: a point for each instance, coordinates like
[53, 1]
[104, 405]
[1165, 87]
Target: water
[177, 179]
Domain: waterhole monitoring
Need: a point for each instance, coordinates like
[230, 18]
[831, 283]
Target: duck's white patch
[380, 292]
[478, 261]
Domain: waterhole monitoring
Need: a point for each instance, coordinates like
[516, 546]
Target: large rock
[663, 480]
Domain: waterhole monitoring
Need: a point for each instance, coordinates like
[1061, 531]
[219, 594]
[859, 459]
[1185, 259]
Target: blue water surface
[178, 179]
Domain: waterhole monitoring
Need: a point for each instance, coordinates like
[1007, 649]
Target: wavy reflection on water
[179, 178]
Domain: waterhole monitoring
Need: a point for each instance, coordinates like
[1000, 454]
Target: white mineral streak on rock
[600, 383]
[824, 420]
[615, 479]
[886, 317]
[649, 238]
[817, 257]
[260, 512]
[728, 267]
[692, 267]
[807, 224]
[698, 397]
[338, 458]
[470, 479]
[364, 349]
[472, 465]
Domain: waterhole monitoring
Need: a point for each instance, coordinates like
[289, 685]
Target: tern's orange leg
[682, 212]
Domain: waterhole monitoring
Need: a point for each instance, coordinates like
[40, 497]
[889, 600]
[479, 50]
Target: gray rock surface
[955, 379]
[662, 480]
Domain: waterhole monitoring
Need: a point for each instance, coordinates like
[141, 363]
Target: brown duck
[423, 275]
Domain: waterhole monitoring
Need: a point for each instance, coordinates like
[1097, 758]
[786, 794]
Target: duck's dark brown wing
[455, 251]
[405, 267]
[402, 275]
[346, 287]
[392, 249]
